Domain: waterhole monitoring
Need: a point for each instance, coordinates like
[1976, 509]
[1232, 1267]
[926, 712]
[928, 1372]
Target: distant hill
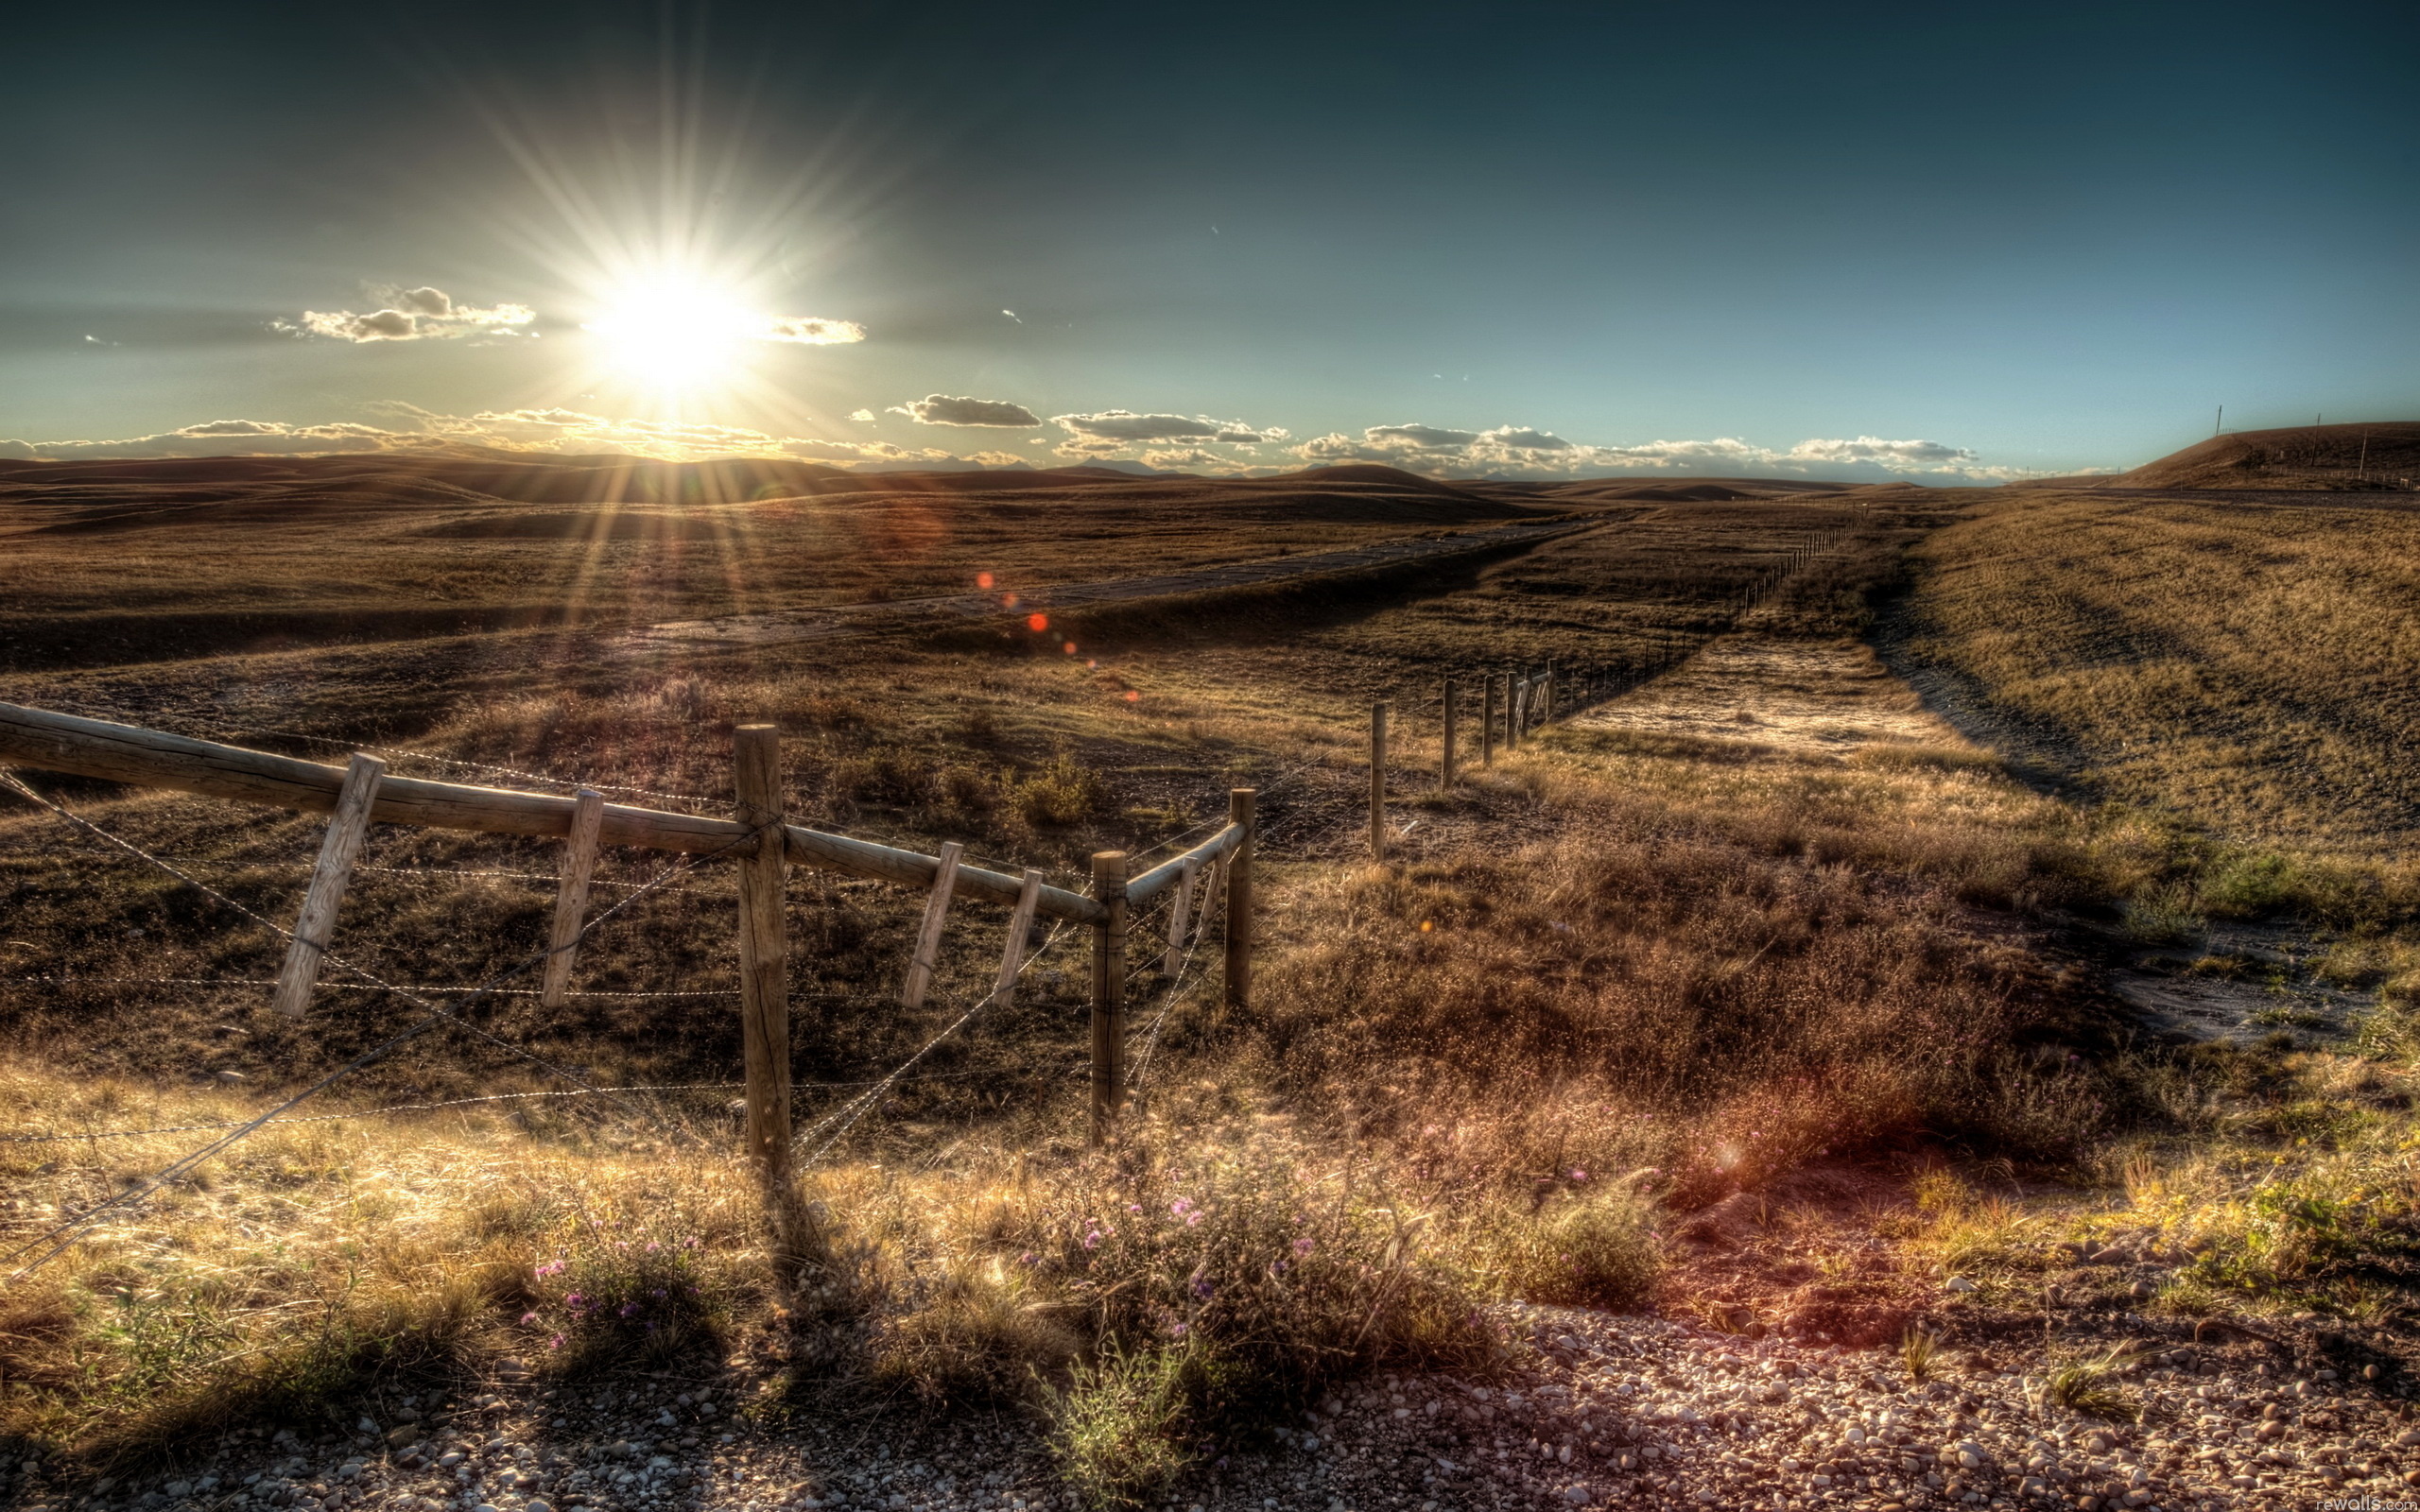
[2325, 458]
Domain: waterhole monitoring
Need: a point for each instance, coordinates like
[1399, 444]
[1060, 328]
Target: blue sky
[1849, 240]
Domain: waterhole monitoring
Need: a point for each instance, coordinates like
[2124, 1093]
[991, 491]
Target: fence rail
[151, 758]
[361, 793]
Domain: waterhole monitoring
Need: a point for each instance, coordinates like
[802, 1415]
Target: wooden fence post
[341, 847]
[571, 894]
[927, 954]
[1180, 914]
[1546, 695]
[1109, 992]
[764, 943]
[1516, 698]
[1487, 719]
[1240, 803]
[1378, 781]
[1445, 774]
[1004, 989]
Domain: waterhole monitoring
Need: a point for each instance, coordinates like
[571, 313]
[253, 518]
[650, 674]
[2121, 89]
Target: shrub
[1060, 791]
[1595, 1248]
[616, 1298]
[1226, 1279]
[888, 776]
[975, 1334]
[1118, 1428]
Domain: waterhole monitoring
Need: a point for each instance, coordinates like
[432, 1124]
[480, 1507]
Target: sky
[1938, 241]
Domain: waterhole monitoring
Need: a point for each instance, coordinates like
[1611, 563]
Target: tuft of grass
[1590, 1247]
[2087, 1385]
[1118, 1428]
[1920, 1354]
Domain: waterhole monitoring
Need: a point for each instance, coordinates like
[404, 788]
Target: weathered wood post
[764, 947]
[571, 894]
[1240, 803]
[1487, 719]
[1546, 695]
[1378, 781]
[926, 956]
[348, 828]
[1109, 992]
[1445, 765]
[1516, 693]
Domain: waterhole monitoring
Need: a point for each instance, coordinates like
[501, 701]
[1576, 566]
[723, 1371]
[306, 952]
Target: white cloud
[945, 409]
[998, 459]
[221, 437]
[864, 417]
[1191, 460]
[1897, 455]
[556, 432]
[812, 331]
[1521, 450]
[412, 315]
[1127, 428]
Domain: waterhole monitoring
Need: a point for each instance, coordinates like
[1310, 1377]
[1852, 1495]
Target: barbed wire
[850, 1113]
[63, 1236]
[352, 987]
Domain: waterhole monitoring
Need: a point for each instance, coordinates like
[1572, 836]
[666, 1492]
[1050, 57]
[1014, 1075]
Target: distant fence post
[347, 829]
[571, 894]
[1109, 992]
[1240, 803]
[764, 940]
[1516, 699]
[1487, 719]
[1445, 765]
[1546, 695]
[1378, 781]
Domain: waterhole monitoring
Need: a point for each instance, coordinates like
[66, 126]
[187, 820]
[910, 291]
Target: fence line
[131, 754]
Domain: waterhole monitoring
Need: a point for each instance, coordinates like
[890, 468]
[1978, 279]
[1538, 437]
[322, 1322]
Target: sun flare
[676, 334]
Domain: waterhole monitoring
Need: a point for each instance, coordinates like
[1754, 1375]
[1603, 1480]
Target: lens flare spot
[1133, 696]
[1007, 601]
[1037, 623]
[1069, 649]
[983, 580]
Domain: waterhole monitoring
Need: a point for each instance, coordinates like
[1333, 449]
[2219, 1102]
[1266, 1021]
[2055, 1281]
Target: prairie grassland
[2244, 667]
[1634, 980]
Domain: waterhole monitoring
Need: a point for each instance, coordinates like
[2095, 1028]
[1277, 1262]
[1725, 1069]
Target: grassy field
[1750, 944]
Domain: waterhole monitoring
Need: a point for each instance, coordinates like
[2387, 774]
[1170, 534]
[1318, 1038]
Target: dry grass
[1628, 982]
[2241, 666]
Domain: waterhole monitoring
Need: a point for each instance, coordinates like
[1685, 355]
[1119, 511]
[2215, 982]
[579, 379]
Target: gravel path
[1602, 1411]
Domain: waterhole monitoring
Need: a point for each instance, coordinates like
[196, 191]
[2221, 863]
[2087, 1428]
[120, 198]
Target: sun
[675, 335]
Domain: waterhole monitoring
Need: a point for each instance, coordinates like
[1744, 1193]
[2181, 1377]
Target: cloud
[864, 417]
[552, 432]
[944, 409]
[998, 459]
[1521, 438]
[1079, 449]
[412, 315]
[1128, 428]
[812, 331]
[1522, 451]
[219, 437]
[1191, 460]
[1897, 455]
[1420, 438]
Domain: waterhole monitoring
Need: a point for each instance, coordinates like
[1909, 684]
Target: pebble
[1602, 1411]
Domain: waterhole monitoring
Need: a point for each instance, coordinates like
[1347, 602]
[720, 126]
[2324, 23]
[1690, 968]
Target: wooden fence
[360, 794]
